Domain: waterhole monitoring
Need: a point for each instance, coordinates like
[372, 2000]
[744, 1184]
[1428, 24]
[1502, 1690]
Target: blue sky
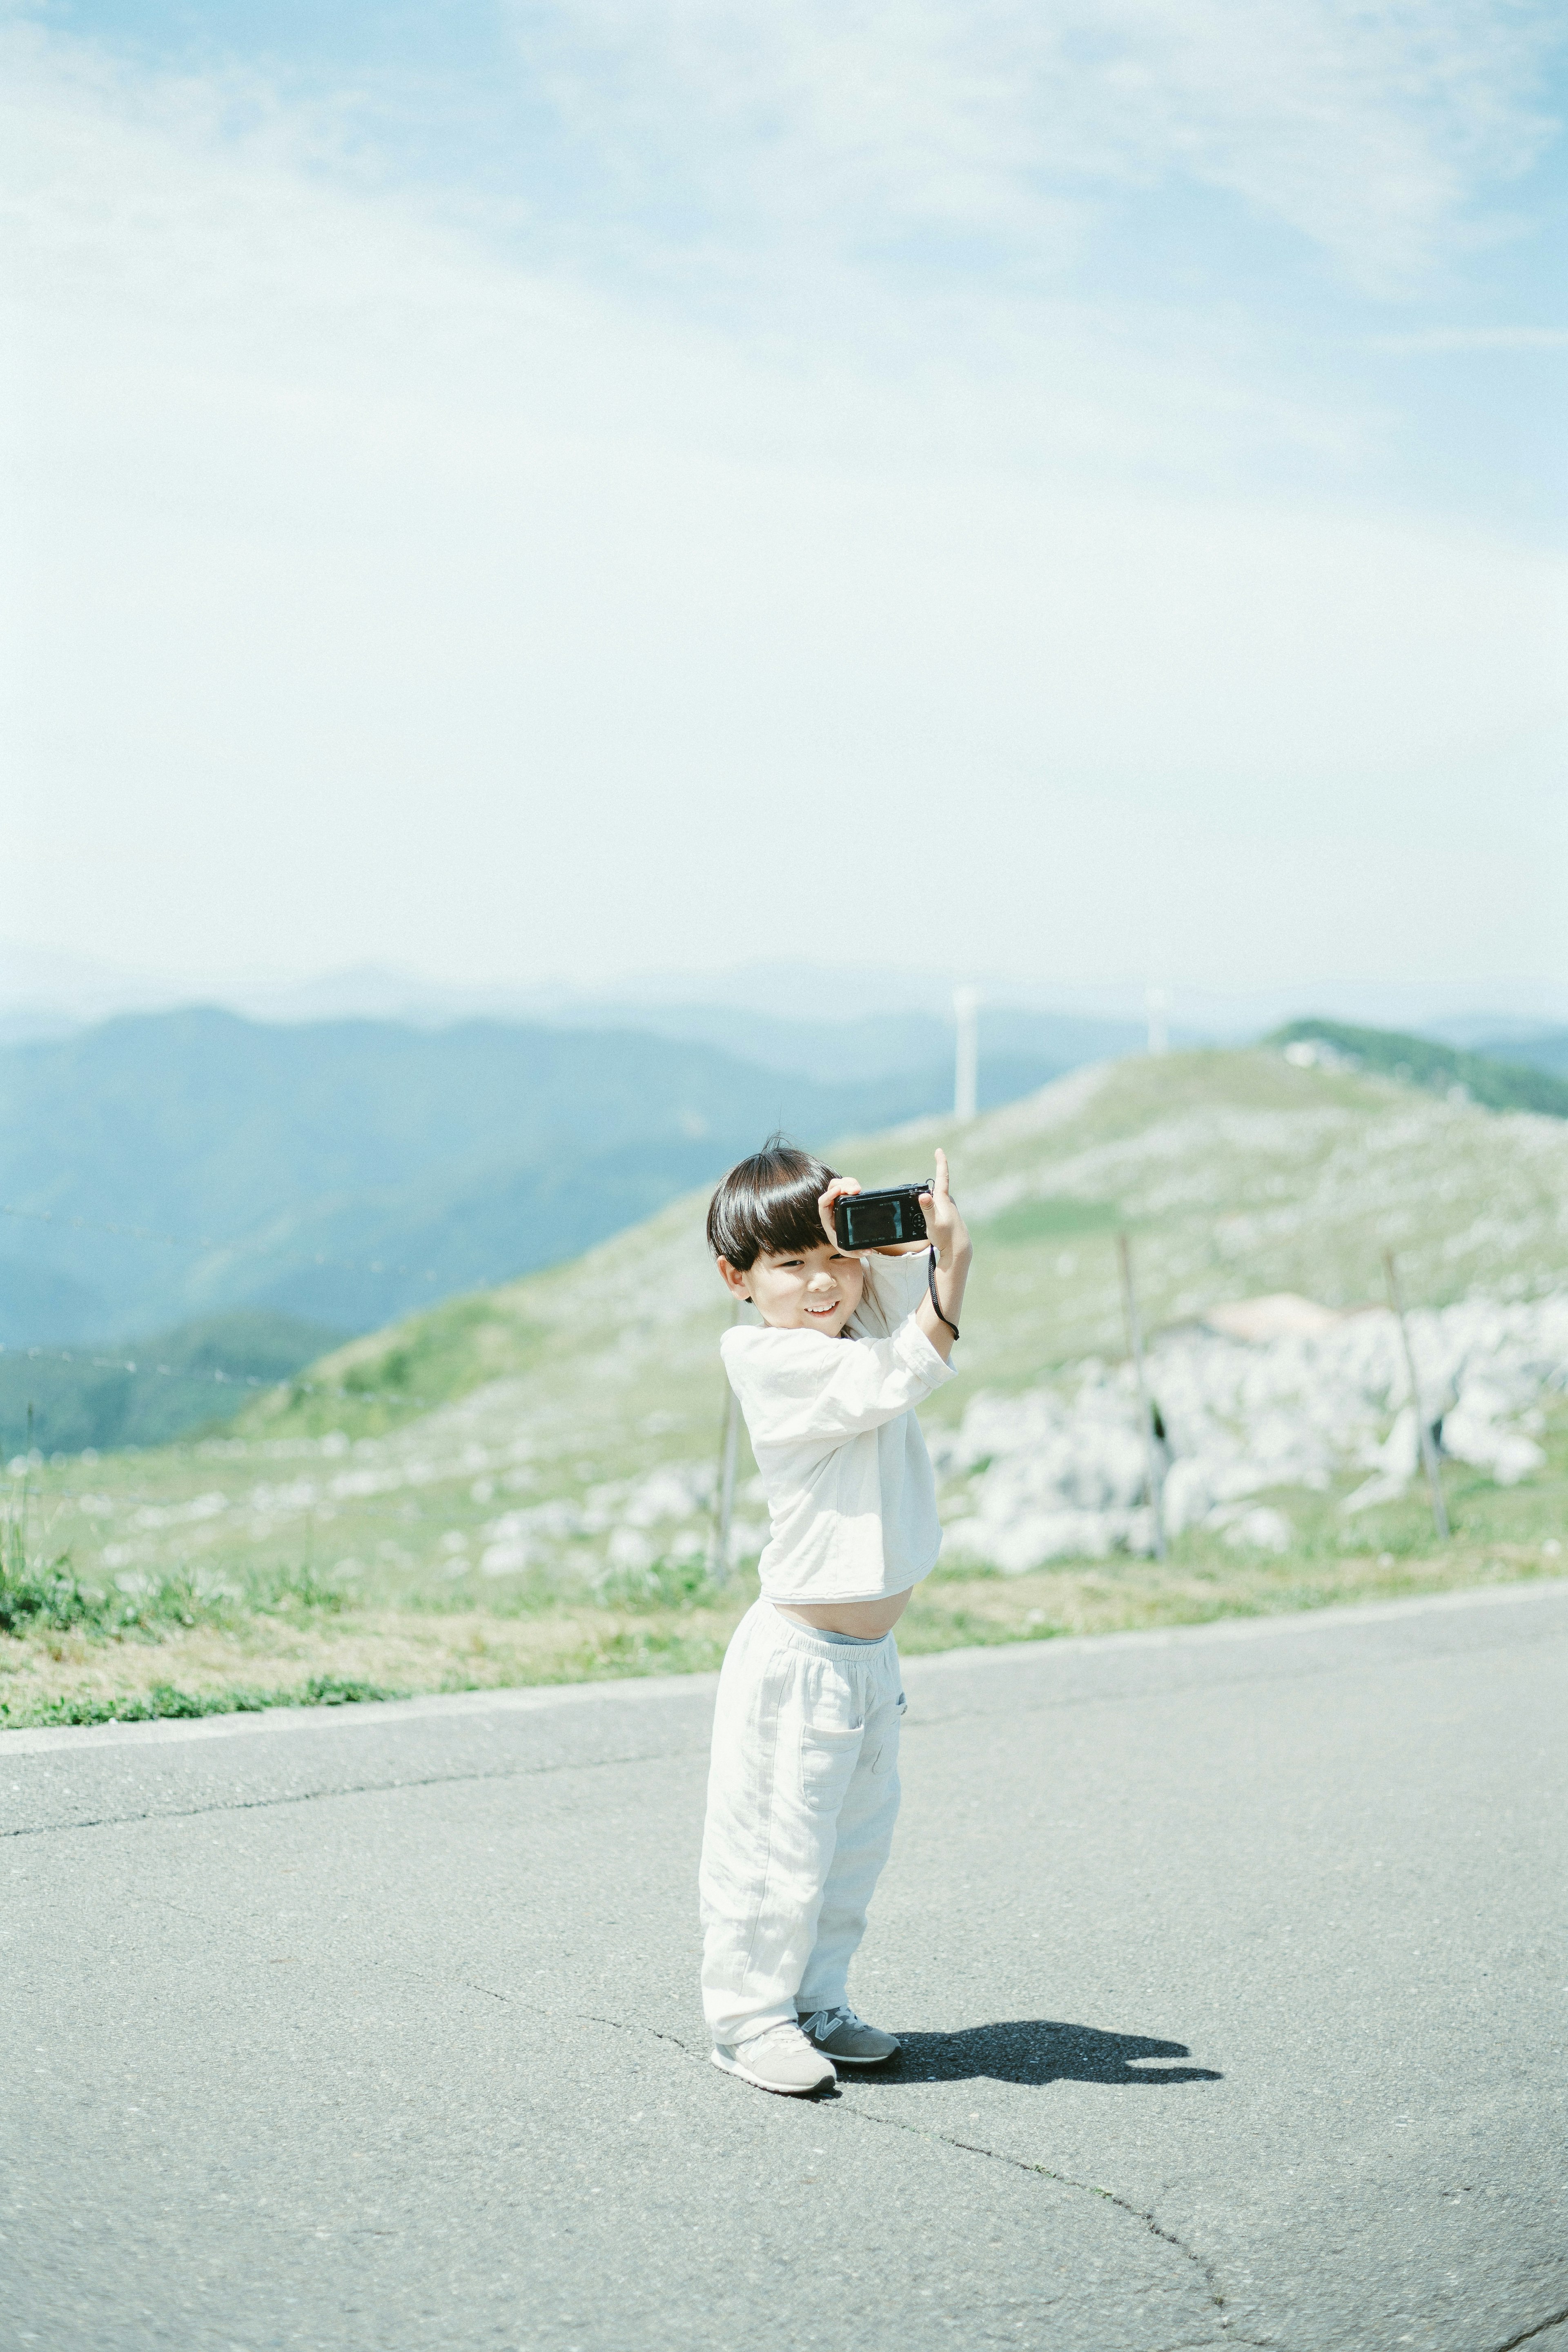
[470, 447]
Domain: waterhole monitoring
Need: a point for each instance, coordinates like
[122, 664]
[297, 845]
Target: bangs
[768, 1203]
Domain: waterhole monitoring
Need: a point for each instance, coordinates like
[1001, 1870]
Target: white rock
[505, 1559]
[1041, 1535]
[1187, 1495]
[1261, 1529]
[1068, 1462]
[1473, 1432]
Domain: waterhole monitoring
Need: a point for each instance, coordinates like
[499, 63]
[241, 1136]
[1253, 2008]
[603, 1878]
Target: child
[804, 1788]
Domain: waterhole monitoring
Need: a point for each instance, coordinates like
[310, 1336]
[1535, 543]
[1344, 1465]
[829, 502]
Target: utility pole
[1145, 1409]
[1428, 1450]
[966, 1065]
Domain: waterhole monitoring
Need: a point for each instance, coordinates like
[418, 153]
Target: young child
[804, 1789]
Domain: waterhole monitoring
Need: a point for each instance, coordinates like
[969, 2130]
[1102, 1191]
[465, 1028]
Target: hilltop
[1527, 1078]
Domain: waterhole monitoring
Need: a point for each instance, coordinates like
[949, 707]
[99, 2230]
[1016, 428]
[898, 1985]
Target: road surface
[1230, 1965]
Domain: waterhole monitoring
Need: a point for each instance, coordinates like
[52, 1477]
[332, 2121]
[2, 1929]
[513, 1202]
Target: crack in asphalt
[1204, 2269]
[1090, 2188]
[350, 1789]
[1539, 2328]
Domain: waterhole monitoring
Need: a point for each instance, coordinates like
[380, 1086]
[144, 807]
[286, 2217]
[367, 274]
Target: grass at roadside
[323, 1652]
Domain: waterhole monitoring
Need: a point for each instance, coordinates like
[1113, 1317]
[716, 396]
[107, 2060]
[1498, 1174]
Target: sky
[561, 488]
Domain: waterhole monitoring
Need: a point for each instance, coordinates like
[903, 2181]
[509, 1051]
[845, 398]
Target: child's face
[816, 1290]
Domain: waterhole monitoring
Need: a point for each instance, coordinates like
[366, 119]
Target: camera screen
[873, 1223]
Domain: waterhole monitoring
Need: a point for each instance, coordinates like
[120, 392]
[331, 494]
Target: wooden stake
[1429, 1451]
[1135, 1347]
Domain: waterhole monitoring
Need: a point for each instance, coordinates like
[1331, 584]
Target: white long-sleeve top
[851, 1495]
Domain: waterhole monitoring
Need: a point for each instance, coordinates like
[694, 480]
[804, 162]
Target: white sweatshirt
[851, 1497]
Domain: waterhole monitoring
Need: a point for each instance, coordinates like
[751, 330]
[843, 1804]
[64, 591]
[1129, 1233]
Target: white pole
[1158, 1005]
[966, 1065]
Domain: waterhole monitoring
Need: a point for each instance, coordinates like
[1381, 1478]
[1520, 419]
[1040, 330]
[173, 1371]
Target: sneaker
[782, 2059]
[848, 2038]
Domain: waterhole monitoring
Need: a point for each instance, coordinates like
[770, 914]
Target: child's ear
[737, 1284]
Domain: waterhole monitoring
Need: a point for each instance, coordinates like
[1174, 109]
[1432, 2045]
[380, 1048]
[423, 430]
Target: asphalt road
[1230, 1965]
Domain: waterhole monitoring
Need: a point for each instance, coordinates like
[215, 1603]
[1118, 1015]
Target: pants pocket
[887, 1754]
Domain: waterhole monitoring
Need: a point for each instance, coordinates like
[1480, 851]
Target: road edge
[646, 1689]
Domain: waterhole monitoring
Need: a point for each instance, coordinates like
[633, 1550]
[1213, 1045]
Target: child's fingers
[835, 1190]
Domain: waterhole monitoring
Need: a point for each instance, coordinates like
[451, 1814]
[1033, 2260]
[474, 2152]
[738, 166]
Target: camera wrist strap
[935, 1302]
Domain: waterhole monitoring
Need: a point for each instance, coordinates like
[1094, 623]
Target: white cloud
[1370, 132]
[387, 599]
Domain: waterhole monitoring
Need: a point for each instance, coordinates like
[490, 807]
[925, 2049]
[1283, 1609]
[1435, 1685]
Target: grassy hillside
[546, 1445]
[1496, 1078]
[147, 1391]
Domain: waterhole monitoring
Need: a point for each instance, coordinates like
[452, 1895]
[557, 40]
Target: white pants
[801, 1797]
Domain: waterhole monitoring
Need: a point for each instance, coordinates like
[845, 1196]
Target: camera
[868, 1220]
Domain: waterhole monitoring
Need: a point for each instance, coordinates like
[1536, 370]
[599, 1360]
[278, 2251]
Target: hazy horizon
[34, 980]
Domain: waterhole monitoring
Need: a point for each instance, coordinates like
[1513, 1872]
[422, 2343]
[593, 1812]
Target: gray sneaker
[848, 2038]
[782, 2059]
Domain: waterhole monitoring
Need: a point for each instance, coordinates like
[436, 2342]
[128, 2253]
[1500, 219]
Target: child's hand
[840, 1184]
[945, 1226]
[950, 1235]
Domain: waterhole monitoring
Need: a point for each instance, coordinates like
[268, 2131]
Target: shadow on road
[1036, 2050]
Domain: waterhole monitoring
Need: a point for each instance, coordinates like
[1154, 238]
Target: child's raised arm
[954, 1251]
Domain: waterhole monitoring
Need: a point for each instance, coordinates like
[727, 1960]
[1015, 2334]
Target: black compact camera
[868, 1220]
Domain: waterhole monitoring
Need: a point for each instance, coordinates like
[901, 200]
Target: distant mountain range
[47, 993]
[345, 1171]
[1542, 1049]
[64, 1399]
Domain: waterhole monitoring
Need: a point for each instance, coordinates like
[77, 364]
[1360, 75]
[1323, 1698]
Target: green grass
[379, 1384]
[164, 1702]
[1031, 1222]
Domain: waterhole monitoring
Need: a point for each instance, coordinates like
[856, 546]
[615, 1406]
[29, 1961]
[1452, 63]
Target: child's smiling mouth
[831, 1308]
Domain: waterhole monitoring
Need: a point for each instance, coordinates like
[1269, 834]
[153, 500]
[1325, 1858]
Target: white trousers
[801, 1797]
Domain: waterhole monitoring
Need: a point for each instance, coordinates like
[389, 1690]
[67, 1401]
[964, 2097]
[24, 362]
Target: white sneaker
[782, 2059]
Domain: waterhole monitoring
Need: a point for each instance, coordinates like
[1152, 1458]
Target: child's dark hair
[768, 1203]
